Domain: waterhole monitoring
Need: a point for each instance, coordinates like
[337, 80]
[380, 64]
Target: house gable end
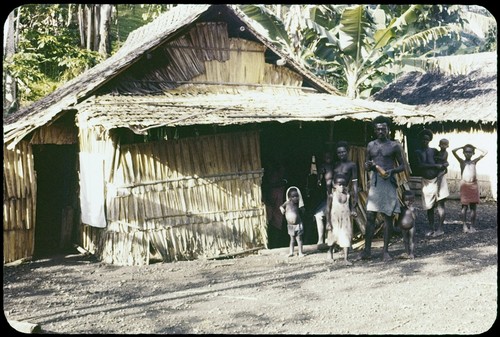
[206, 54]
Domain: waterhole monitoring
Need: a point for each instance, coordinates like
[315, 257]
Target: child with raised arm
[469, 188]
[406, 221]
[293, 209]
[339, 210]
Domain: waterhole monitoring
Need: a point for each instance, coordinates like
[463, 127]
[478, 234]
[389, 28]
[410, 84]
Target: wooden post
[66, 226]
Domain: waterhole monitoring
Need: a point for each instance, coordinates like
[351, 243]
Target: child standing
[293, 208]
[441, 157]
[406, 221]
[338, 217]
[469, 188]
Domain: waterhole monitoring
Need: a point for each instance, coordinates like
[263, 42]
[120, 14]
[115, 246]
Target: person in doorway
[274, 185]
[293, 209]
[325, 178]
[433, 195]
[343, 166]
[384, 159]
[469, 188]
[406, 222]
[338, 217]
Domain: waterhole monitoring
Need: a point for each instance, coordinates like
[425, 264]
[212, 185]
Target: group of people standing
[433, 166]
[384, 159]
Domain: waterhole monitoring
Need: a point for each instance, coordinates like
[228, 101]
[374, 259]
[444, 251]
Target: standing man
[384, 159]
[325, 182]
[348, 168]
[338, 213]
[434, 190]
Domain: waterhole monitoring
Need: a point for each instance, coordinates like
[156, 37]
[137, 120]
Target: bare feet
[302, 254]
[347, 263]
[472, 230]
[406, 256]
[437, 233]
[466, 230]
[387, 257]
[290, 255]
[364, 256]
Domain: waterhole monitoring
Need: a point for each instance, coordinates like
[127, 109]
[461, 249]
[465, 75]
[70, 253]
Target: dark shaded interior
[57, 203]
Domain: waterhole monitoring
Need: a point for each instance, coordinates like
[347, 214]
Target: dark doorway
[57, 204]
[292, 145]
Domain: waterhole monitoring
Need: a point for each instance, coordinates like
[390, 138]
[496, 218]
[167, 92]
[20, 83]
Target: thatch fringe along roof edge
[237, 106]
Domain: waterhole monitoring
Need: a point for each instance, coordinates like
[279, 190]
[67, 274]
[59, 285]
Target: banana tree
[365, 47]
[355, 46]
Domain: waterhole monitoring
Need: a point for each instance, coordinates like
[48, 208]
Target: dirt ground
[449, 288]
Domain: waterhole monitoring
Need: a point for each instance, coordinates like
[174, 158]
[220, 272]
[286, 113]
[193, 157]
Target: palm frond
[271, 23]
[351, 33]
[383, 36]
[425, 37]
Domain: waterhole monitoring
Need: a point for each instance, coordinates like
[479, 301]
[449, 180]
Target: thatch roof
[190, 105]
[460, 89]
[167, 27]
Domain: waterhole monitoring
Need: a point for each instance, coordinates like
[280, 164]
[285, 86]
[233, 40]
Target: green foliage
[356, 48]
[275, 28]
[491, 40]
[48, 52]
[361, 48]
[129, 17]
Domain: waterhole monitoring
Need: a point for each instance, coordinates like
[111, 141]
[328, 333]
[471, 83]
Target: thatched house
[461, 91]
[158, 152]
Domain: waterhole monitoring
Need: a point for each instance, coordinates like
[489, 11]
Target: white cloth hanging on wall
[92, 189]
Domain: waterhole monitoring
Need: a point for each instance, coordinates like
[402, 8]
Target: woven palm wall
[182, 199]
[19, 202]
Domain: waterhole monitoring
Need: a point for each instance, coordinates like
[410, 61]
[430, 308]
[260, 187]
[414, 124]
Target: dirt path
[450, 288]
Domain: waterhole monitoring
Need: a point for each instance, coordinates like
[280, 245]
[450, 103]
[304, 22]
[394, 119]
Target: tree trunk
[89, 26]
[9, 46]
[70, 15]
[95, 26]
[104, 30]
[81, 25]
[351, 77]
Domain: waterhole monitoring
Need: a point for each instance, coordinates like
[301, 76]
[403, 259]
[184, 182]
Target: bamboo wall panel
[246, 64]
[279, 75]
[211, 40]
[184, 199]
[19, 202]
